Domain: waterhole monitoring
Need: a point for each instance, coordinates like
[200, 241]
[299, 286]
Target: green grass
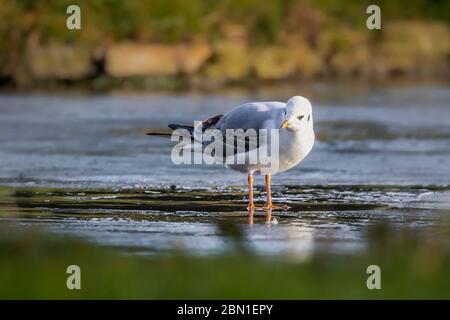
[33, 266]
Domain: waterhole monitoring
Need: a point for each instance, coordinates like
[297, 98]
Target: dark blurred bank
[183, 44]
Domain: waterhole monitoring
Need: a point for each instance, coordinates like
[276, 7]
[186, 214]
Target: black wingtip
[175, 126]
[159, 134]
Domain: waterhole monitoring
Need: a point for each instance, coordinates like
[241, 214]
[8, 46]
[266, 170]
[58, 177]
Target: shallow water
[82, 166]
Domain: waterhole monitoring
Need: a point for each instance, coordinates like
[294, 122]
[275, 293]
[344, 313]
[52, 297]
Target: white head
[298, 114]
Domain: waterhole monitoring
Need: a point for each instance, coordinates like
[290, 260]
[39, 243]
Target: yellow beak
[285, 124]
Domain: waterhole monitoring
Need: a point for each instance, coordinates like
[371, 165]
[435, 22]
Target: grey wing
[256, 115]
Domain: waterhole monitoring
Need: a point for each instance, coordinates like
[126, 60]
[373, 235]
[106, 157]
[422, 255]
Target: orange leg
[268, 193]
[269, 205]
[251, 205]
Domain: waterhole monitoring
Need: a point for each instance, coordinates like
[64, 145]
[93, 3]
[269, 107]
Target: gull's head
[298, 114]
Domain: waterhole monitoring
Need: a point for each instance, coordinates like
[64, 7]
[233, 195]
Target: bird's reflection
[268, 217]
[251, 215]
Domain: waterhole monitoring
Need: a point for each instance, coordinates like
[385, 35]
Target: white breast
[294, 147]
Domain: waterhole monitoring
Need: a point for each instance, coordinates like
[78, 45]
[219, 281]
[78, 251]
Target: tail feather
[169, 132]
[160, 133]
[205, 125]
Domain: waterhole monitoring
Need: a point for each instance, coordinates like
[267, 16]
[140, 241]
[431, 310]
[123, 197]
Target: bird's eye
[309, 117]
[301, 117]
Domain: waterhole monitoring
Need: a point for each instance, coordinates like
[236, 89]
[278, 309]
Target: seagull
[293, 121]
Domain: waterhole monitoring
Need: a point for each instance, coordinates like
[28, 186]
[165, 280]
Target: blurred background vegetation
[208, 42]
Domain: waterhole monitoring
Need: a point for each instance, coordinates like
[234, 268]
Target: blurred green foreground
[33, 265]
